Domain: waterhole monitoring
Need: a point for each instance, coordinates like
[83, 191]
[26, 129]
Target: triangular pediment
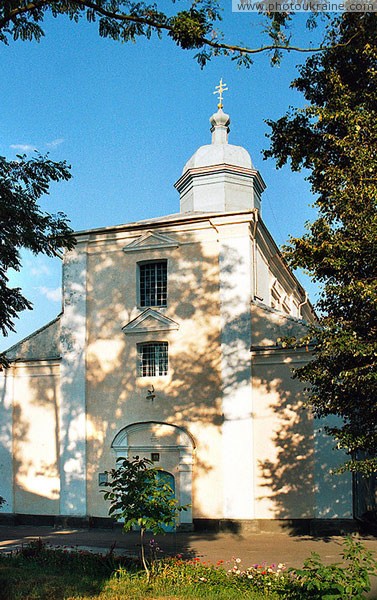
[149, 320]
[151, 241]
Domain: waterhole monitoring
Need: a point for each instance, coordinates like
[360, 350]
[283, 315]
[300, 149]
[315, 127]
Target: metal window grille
[153, 283]
[152, 359]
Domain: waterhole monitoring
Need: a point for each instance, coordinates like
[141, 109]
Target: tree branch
[155, 24]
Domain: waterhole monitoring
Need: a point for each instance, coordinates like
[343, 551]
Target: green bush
[350, 579]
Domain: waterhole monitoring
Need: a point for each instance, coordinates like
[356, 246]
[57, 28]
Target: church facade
[168, 347]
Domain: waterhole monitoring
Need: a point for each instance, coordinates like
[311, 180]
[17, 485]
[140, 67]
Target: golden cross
[219, 90]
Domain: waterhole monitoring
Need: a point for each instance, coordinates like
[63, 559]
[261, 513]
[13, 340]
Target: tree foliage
[24, 225]
[126, 20]
[138, 496]
[335, 137]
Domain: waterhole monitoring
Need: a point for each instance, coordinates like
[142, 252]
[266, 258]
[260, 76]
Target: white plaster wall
[35, 451]
[190, 395]
[235, 294]
[6, 442]
[73, 402]
[333, 492]
[283, 430]
[262, 278]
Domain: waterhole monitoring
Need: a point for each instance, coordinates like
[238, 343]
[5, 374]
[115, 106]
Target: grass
[36, 572]
[28, 581]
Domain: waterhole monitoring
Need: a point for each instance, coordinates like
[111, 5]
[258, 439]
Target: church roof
[172, 218]
[219, 151]
[29, 348]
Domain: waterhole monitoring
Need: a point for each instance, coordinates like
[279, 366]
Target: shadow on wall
[36, 440]
[298, 479]
[6, 411]
[295, 474]
[190, 396]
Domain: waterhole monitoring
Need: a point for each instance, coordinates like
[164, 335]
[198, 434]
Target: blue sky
[127, 117]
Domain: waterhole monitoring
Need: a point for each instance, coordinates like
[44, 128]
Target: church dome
[219, 152]
[220, 177]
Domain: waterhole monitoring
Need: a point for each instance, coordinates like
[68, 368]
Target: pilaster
[237, 429]
[73, 384]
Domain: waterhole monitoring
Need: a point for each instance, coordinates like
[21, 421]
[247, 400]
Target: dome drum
[220, 188]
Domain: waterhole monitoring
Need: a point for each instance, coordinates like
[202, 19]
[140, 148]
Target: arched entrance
[171, 450]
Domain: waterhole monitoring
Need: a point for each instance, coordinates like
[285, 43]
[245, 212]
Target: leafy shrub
[338, 581]
[140, 497]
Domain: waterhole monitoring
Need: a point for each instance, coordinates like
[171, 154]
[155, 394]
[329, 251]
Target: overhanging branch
[157, 25]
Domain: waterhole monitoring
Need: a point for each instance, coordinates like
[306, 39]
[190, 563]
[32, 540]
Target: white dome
[219, 154]
[219, 177]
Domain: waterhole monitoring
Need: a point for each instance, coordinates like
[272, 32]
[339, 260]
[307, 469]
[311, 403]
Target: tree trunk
[145, 565]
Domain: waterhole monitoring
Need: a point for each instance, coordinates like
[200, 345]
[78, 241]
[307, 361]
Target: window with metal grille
[152, 359]
[153, 283]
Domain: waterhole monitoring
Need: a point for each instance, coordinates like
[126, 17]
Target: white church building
[168, 347]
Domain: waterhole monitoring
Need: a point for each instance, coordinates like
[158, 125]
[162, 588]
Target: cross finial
[219, 90]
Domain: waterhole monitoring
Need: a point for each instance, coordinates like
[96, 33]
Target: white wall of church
[236, 280]
[30, 440]
[333, 491]
[189, 396]
[284, 454]
[6, 438]
[252, 441]
[72, 416]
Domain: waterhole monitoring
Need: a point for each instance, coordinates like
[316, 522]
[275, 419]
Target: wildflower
[238, 560]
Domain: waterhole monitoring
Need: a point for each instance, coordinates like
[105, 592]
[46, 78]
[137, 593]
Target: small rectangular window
[152, 359]
[102, 478]
[153, 283]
